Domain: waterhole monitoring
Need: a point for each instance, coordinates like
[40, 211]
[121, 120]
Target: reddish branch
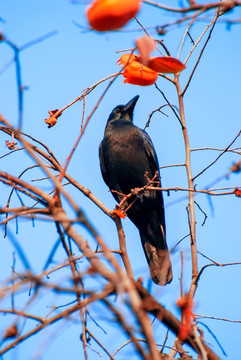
[148, 303]
[224, 5]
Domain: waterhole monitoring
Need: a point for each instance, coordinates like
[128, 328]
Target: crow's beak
[129, 107]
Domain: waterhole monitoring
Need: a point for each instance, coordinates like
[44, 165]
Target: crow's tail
[158, 259]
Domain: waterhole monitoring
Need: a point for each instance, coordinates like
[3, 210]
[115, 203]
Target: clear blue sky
[55, 72]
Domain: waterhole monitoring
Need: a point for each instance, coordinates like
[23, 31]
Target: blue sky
[55, 72]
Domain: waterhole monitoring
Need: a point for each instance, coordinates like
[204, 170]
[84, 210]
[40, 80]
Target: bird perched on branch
[129, 164]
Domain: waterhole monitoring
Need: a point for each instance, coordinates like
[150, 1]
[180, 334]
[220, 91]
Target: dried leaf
[52, 120]
[145, 46]
[236, 167]
[185, 303]
[237, 192]
[11, 332]
[11, 145]
[119, 213]
[161, 30]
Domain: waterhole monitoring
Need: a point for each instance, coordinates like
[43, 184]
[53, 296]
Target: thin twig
[213, 23]
[217, 318]
[218, 157]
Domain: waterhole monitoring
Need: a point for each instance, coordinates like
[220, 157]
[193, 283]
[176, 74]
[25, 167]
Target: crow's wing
[103, 166]
[150, 153]
[104, 171]
[153, 236]
[154, 167]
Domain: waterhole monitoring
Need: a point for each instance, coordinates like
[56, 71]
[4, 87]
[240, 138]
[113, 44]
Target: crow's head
[124, 112]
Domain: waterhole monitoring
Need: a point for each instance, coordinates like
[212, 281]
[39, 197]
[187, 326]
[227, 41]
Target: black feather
[128, 161]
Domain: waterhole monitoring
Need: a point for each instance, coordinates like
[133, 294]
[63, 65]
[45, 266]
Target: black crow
[128, 161]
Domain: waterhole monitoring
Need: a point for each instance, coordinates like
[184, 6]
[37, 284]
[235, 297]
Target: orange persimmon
[105, 15]
[165, 64]
[136, 73]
